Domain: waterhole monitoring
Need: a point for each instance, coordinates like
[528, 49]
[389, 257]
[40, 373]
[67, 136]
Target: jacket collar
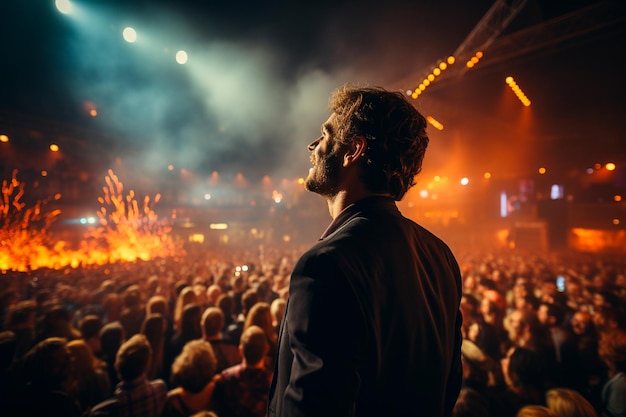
[369, 204]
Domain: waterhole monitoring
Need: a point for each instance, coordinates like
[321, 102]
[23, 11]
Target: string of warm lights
[436, 124]
[430, 78]
[474, 60]
[518, 91]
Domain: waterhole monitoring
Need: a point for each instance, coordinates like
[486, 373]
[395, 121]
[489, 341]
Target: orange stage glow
[128, 231]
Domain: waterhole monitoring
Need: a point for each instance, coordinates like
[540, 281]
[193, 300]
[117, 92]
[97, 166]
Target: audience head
[581, 323]
[565, 402]
[190, 327]
[522, 367]
[131, 297]
[253, 345]
[470, 404]
[111, 338]
[260, 315]
[8, 349]
[612, 350]
[49, 363]
[212, 322]
[277, 309]
[157, 304]
[21, 315]
[133, 358]
[249, 298]
[226, 303]
[89, 328]
[550, 314]
[213, 293]
[187, 296]
[194, 367]
[535, 411]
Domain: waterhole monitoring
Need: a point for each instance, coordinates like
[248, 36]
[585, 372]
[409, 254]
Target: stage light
[487, 175]
[129, 34]
[464, 181]
[181, 57]
[54, 147]
[443, 66]
[64, 6]
[474, 60]
[434, 122]
[517, 90]
[451, 60]
[610, 166]
[4, 138]
[436, 72]
[542, 170]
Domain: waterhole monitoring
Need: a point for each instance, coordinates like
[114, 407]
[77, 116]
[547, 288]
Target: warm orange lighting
[426, 82]
[597, 166]
[54, 147]
[487, 175]
[617, 198]
[414, 95]
[443, 66]
[44, 173]
[610, 166]
[437, 71]
[479, 54]
[300, 181]
[437, 178]
[517, 90]
[421, 87]
[615, 222]
[434, 122]
[542, 170]
[170, 167]
[4, 138]
[93, 112]
[431, 77]
[469, 64]
[474, 60]
[451, 60]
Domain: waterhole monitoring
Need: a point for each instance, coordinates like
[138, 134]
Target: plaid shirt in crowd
[133, 399]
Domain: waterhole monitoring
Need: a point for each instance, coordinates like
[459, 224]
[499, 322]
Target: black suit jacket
[372, 325]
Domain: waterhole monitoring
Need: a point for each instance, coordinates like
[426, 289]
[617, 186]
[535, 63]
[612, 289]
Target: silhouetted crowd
[544, 335]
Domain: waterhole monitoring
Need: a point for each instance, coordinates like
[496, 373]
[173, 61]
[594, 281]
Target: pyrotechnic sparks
[23, 230]
[127, 231]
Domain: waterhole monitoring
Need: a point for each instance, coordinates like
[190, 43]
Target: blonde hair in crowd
[569, 403]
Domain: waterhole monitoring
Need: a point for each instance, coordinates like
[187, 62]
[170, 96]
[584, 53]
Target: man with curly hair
[372, 325]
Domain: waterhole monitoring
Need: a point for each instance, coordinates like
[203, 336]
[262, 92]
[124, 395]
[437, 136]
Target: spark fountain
[128, 231]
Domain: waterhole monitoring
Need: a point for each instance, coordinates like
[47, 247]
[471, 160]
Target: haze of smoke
[228, 109]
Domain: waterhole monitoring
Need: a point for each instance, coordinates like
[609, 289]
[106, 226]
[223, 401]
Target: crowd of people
[544, 335]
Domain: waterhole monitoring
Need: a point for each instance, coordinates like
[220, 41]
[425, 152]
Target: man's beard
[324, 178]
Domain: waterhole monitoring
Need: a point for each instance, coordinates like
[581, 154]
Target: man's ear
[355, 150]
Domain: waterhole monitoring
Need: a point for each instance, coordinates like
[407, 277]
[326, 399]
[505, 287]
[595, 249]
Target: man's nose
[313, 144]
